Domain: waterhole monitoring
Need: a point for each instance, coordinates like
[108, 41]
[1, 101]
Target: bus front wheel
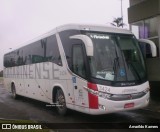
[61, 102]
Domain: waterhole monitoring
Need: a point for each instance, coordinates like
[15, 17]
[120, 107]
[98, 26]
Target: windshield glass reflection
[116, 57]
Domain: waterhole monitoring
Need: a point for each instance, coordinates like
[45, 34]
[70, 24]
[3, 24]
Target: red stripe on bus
[93, 101]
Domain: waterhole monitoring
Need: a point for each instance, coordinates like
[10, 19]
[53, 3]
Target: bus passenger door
[79, 80]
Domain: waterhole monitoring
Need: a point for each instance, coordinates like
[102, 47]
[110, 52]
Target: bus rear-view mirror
[87, 42]
[148, 48]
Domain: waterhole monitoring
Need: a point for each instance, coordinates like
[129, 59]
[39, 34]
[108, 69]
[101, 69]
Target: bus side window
[52, 51]
[78, 63]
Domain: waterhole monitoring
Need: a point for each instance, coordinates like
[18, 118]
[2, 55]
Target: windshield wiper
[116, 64]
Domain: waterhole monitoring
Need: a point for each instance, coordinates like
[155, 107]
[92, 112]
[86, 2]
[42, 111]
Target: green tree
[118, 22]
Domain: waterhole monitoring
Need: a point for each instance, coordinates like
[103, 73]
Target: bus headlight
[98, 93]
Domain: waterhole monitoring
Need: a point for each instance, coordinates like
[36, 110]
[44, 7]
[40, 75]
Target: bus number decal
[103, 88]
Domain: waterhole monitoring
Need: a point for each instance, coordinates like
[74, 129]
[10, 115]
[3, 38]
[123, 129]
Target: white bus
[88, 68]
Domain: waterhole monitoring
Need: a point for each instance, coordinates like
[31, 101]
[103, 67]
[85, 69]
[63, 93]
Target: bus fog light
[102, 107]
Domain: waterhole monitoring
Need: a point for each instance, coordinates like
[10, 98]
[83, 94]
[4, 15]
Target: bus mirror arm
[87, 42]
[152, 45]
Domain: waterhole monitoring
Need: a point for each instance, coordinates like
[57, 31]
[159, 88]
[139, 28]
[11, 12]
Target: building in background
[144, 20]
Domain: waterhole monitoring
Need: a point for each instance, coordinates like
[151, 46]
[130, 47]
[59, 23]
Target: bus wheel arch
[59, 100]
[13, 90]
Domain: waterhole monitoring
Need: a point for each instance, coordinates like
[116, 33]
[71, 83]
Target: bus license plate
[129, 105]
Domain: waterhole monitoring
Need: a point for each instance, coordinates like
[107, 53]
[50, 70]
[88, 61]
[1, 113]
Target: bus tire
[61, 102]
[13, 90]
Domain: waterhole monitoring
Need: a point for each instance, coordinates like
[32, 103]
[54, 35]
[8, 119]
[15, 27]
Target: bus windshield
[116, 57]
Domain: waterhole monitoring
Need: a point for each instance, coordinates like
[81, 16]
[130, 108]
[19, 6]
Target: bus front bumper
[108, 106]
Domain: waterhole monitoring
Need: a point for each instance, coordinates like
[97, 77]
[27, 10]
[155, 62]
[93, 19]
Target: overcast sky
[23, 20]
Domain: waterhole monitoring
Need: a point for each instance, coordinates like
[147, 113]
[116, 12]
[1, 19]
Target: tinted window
[20, 59]
[52, 51]
[78, 61]
[67, 43]
[27, 57]
[10, 59]
[6, 60]
[37, 52]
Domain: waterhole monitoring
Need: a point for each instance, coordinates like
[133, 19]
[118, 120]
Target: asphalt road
[28, 109]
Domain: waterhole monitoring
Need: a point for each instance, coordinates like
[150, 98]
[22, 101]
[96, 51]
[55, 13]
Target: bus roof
[90, 27]
[93, 27]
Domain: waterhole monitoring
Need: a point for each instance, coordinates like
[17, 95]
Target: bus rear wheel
[13, 90]
[61, 102]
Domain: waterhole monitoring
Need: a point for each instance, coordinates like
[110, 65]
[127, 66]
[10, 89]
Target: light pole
[122, 12]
